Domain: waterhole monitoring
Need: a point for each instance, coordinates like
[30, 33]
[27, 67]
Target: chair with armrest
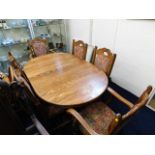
[79, 49]
[44, 109]
[14, 95]
[104, 59]
[99, 118]
[25, 99]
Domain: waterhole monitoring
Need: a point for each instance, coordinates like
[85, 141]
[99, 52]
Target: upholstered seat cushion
[98, 116]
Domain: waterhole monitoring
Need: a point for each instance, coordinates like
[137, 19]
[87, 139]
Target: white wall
[78, 29]
[132, 40]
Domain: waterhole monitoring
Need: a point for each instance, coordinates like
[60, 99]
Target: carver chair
[13, 97]
[99, 118]
[47, 111]
[79, 49]
[104, 59]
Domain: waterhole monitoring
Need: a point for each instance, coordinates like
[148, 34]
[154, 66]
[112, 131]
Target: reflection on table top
[65, 80]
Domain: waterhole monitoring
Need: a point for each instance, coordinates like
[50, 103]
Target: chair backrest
[38, 46]
[15, 70]
[13, 61]
[79, 49]
[104, 59]
[140, 103]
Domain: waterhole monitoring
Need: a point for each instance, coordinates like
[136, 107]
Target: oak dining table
[65, 80]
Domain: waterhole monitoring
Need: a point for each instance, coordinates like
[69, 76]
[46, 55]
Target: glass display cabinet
[14, 34]
[13, 37]
[51, 29]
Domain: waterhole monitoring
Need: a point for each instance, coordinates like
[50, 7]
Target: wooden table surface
[65, 80]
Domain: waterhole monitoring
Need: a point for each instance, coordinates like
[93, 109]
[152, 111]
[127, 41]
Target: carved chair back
[104, 59]
[38, 46]
[79, 49]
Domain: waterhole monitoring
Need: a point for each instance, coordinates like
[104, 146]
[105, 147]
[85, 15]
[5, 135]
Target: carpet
[142, 123]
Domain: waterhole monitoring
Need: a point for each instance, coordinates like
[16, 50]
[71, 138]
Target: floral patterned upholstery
[39, 48]
[101, 62]
[99, 116]
[104, 60]
[80, 49]
[79, 52]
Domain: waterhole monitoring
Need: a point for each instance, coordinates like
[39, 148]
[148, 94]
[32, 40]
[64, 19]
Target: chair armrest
[39, 126]
[136, 107]
[11, 74]
[19, 78]
[119, 97]
[82, 121]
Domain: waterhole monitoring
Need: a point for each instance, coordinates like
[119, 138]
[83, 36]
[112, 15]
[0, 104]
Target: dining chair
[99, 118]
[104, 59]
[24, 99]
[79, 49]
[46, 110]
[15, 97]
[38, 47]
[22, 88]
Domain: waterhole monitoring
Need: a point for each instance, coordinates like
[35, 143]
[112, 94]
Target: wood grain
[65, 80]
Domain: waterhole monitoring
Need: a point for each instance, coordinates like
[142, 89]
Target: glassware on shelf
[4, 24]
[44, 36]
[7, 41]
[1, 25]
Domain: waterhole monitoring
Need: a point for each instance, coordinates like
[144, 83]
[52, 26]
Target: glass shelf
[13, 38]
[15, 33]
[17, 27]
[52, 30]
[46, 22]
[12, 44]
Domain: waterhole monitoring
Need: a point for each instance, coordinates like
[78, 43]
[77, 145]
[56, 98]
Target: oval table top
[65, 80]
